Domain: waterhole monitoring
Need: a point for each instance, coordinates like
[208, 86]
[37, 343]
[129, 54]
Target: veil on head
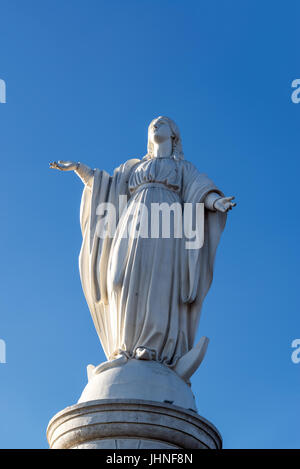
[177, 152]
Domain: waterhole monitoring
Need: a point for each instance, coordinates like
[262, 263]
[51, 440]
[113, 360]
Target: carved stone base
[130, 424]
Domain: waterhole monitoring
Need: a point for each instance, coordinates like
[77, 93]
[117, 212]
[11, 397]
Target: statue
[145, 293]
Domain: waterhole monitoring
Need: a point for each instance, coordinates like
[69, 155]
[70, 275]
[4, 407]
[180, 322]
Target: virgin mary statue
[145, 292]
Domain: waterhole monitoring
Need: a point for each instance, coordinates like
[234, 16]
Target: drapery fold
[132, 315]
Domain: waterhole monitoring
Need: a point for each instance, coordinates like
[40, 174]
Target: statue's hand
[224, 204]
[64, 165]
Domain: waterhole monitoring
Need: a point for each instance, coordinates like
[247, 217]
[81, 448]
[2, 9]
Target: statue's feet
[95, 370]
[143, 353]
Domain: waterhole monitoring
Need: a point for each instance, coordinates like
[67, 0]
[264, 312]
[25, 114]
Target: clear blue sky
[83, 81]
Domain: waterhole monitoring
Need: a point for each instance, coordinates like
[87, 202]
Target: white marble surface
[142, 380]
[145, 294]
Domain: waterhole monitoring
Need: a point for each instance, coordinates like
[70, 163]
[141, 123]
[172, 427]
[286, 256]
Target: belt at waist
[159, 185]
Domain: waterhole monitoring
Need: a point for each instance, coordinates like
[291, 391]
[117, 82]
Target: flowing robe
[146, 293]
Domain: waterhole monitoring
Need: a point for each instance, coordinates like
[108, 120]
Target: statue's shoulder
[188, 166]
[129, 164]
[191, 172]
[126, 167]
[132, 162]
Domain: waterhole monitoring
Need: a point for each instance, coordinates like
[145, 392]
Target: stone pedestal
[130, 424]
[138, 405]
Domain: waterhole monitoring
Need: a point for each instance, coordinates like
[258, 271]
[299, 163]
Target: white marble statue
[145, 294]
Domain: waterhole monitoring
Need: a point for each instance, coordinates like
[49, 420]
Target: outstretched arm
[214, 202]
[84, 172]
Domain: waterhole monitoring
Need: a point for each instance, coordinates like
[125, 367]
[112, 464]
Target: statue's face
[160, 131]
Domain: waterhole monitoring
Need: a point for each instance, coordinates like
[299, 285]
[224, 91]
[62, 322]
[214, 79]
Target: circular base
[130, 424]
[140, 379]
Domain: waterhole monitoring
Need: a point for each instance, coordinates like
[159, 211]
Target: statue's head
[160, 130]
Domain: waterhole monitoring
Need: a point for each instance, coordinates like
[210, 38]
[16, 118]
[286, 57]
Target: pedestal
[138, 405]
[130, 424]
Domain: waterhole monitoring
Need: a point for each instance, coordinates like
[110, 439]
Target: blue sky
[84, 79]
